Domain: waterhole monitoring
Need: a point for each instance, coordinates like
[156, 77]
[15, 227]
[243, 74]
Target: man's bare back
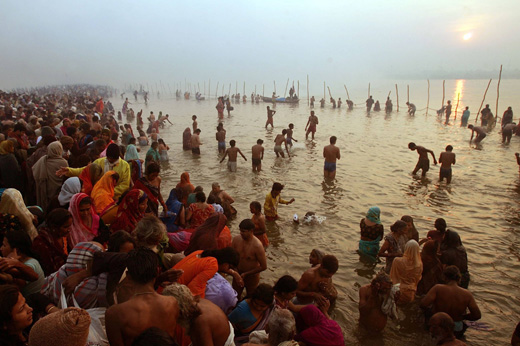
[453, 300]
[279, 140]
[370, 314]
[212, 325]
[124, 322]
[447, 159]
[422, 151]
[312, 282]
[331, 153]
[257, 151]
[232, 153]
[221, 135]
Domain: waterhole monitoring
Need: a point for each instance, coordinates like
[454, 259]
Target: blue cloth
[330, 166]
[174, 205]
[369, 247]
[242, 318]
[131, 153]
[374, 214]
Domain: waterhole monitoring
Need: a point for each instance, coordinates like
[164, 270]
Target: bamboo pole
[443, 92]
[428, 102]
[397, 96]
[498, 93]
[348, 96]
[483, 99]
[308, 97]
[457, 106]
[286, 85]
[408, 93]
[329, 92]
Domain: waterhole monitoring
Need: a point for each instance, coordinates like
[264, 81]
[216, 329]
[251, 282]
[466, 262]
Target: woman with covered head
[10, 171]
[394, 243]
[175, 206]
[200, 321]
[130, 211]
[11, 202]
[48, 184]
[186, 186]
[316, 328]
[103, 192]
[407, 271]
[86, 224]
[206, 236]
[372, 231]
[432, 268]
[89, 177]
[199, 211]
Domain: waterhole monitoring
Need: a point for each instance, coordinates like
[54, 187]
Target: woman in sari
[372, 232]
[411, 231]
[11, 202]
[151, 185]
[186, 186]
[89, 177]
[10, 171]
[48, 184]
[103, 192]
[315, 328]
[199, 211]
[186, 139]
[206, 236]
[131, 210]
[70, 187]
[394, 243]
[432, 268]
[152, 155]
[131, 150]
[407, 272]
[252, 313]
[176, 217]
[86, 224]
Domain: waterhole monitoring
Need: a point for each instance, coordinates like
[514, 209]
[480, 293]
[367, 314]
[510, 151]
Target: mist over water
[482, 204]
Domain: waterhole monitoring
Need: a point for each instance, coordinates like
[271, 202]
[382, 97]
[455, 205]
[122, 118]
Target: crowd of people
[93, 253]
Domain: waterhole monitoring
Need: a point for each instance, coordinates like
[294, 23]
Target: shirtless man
[278, 141]
[259, 220]
[194, 125]
[225, 199]
[441, 329]
[195, 142]
[290, 135]
[257, 153]
[453, 300]
[369, 102]
[371, 297]
[481, 133]
[424, 162]
[252, 257]
[270, 114]
[446, 159]
[315, 285]
[145, 309]
[331, 154]
[411, 108]
[208, 325]
[322, 103]
[232, 153]
[221, 138]
[311, 125]
[448, 112]
[312, 101]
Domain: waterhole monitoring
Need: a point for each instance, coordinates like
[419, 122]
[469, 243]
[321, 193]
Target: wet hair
[277, 187]
[330, 263]
[232, 142]
[333, 140]
[117, 239]
[161, 141]
[149, 231]
[398, 226]
[411, 145]
[133, 141]
[408, 218]
[263, 293]
[8, 299]
[452, 273]
[154, 336]
[259, 141]
[284, 131]
[449, 148]
[440, 225]
[445, 322]
[198, 189]
[282, 326]
[226, 255]
[256, 205]
[470, 126]
[247, 224]
[198, 131]
[286, 284]
[153, 167]
[142, 264]
[381, 277]
[57, 218]
[200, 196]
[20, 241]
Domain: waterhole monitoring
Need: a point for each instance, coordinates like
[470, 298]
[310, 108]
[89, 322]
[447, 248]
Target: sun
[467, 36]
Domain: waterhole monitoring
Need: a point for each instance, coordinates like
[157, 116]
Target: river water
[482, 203]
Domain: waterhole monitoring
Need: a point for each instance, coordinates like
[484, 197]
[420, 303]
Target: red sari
[128, 213]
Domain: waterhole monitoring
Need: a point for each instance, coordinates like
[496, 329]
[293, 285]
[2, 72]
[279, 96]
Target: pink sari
[79, 232]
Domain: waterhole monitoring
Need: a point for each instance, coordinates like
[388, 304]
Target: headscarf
[70, 187]
[429, 255]
[174, 206]
[65, 327]
[103, 192]
[6, 147]
[186, 186]
[131, 153]
[374, 214]
[11, 202]
[128, 214]
[79, 232]
[186, 139]
[317, 329]
[86, 177]
[205, 236]
[48, 184]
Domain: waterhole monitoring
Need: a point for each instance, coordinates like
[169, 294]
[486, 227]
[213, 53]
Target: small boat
[281, 100]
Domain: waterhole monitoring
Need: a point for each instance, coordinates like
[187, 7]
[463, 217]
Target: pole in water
[483, 99]
[348, 96]
[274, 86]
[329, 92]
[457, 106]
[443, 92]
[498, 93]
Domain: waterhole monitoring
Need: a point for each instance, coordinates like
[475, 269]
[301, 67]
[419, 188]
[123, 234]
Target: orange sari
[103, 192]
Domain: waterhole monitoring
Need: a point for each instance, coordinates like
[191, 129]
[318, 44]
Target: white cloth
[231, 338]
[70, 187]
[388, 307]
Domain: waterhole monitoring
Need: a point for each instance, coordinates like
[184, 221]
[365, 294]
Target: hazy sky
[118, 42]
